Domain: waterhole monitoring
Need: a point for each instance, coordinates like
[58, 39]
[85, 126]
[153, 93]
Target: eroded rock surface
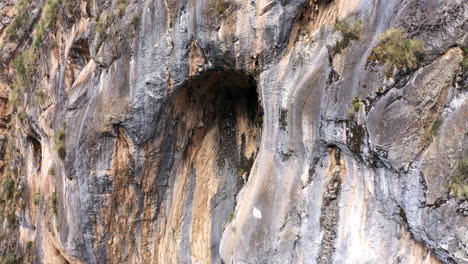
[223, 131]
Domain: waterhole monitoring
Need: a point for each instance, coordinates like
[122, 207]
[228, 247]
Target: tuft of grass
[37, 198]
[432, 132]
[101, 28]
[20, 19]
[241, 171]
[8, 187]
[29, 244]
[260, 119]
[349, 33]
[25, 63]
[458, 185]
[54, 201]
[50, 12]
[109, 21]
[11, 218]
[121, 7]
[231, 217]
[39, 96]
[60, 146]
[356, 104]
[51, 171]
[464, 63]
[394, 50]
[134, 23]
[221, 6]
[13, 100]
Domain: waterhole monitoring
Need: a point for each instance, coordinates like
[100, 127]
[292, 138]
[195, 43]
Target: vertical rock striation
[227, 131]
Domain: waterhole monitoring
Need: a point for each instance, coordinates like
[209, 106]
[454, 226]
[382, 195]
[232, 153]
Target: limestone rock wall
[229, 131]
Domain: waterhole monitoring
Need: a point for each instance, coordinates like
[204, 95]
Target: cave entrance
[227, 102]
[36, 152]
[219, 121]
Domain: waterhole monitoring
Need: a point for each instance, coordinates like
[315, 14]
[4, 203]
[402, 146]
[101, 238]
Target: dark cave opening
[226, 101]
[217, 91]
[36, 149]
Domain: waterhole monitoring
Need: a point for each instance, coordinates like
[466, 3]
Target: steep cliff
[230, 131]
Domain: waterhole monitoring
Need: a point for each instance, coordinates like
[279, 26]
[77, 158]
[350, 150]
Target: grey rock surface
[220, 132]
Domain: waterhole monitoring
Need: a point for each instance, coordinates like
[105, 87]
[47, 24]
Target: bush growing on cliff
[19, 20]
[52, 171]
[37, 198]
[241, 171]
[50, 12]
[220, 6]
[11, 219]
[121, 7]
[24, 66]
[348, 32]
[356, 104]
[134, 23]
[10, 259]
[465, 59]
[54, 201]
[8, 187]
[459, 183]
[394, 50]
[355, 108]
[60, 144]
[29, 244]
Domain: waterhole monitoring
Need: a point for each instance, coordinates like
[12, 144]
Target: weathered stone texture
[219, 131]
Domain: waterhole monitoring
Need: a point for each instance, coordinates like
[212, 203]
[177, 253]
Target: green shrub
[29, 244]
[50, 12]
[356, 104]
[22, 204]
[121, 7]
[20, 18]
[21, 115]
[459, 183]
[134, 23]
[464, 63]
[11, 34]
[24, 66]
[39, 96]
[10, 259]
[259, 120]
[12, 218]
[242, 171]
[54, 201]
[39, 35]
[109, 20]
[37, 198]
[19, 66]
[13, 99]
[8, 187]
[394, 50]
[432, 133]
[221, 6]
[60, 144]
[51, 171]
[100, 28]
[231, 217]
[348, 32]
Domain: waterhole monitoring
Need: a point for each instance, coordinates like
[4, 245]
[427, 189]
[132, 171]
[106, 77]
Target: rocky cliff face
[228, 131]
